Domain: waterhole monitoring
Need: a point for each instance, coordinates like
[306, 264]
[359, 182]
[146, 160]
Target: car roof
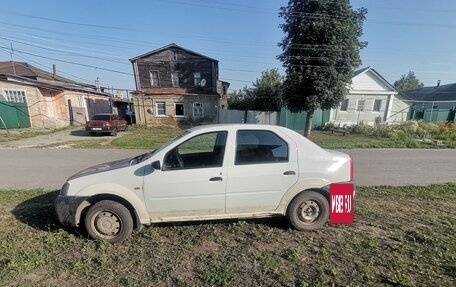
[235, 126]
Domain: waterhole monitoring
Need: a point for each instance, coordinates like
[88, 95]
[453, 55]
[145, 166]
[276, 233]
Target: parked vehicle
[208, 172]
[106, 123]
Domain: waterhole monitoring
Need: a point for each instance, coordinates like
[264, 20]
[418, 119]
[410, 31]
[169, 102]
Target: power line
[71, 62]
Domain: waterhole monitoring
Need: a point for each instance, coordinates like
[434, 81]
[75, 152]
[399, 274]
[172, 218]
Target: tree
[267, 91]
[408, 82]
[320, 53]
[241, 99]
[264, 95]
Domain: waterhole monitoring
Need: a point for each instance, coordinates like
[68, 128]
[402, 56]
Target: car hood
[103, 167]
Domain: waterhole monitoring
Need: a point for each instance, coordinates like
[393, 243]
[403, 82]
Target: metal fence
[297, 121]
[248, 117]
[14, 115]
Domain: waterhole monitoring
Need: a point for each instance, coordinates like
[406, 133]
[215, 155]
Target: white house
[371, 100]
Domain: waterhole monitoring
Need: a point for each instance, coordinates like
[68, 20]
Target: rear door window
[259, 146]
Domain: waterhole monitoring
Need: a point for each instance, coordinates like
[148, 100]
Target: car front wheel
[109, 220]
[308, 211]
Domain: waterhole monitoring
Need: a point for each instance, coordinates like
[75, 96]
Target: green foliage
[267, 91]
[410, 134]
[264, 95]
[320, 52]
[241, 99]
[408, 82]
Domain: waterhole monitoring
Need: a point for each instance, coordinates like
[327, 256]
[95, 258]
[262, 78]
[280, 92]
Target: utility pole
[12, 62]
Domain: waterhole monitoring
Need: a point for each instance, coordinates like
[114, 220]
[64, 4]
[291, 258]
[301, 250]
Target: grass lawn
[402, 236]
[139, 137]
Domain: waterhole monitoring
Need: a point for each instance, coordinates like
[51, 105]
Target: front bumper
[67, 208]
[100, 129]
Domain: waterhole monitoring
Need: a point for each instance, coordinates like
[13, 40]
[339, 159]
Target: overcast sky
[90, 39]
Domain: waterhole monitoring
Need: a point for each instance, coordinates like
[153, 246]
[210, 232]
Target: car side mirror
[156, 165]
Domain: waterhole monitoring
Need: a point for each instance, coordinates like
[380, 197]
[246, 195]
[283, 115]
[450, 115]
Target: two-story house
[176, 85]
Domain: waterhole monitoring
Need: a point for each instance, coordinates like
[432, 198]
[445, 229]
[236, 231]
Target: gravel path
[57, 139]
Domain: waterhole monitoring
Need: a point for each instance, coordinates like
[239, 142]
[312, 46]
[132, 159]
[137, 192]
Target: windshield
[143, 157]
[101, 117]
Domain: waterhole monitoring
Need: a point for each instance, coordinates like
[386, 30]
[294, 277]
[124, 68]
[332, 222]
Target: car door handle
[217, 178]
[289, 172]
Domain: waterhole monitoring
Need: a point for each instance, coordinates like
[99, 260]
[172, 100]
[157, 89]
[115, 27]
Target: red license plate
[341, 203]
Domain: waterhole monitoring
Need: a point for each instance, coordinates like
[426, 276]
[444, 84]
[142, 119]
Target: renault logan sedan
[208, 172]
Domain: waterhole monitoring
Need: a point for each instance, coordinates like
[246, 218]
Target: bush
[409, 131]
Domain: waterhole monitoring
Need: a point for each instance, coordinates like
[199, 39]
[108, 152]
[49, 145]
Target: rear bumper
[326, 188]
[67, 209]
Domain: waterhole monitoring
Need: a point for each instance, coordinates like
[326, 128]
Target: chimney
[438, 83]
[54, 71]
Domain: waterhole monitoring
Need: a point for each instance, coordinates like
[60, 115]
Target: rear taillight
[351, 168]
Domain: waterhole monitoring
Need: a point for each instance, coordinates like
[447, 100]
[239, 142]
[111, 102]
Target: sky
[95, 39]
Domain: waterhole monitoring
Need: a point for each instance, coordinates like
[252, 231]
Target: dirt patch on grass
[402, 236]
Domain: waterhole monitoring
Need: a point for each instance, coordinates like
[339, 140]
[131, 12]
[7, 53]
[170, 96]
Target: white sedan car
[208, 172]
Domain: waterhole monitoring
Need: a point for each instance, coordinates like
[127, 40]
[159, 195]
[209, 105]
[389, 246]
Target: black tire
[114, 132]
[308, 211]
[108, 220]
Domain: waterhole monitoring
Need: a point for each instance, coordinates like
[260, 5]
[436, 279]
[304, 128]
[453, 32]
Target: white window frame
[152, 81]
[379, 107]
[360, 108]
[197, 79]
[81, 101]
[157, 104]
[198, 110]
[175, 79]
[175, 110]
[346, 108]
[15, 96]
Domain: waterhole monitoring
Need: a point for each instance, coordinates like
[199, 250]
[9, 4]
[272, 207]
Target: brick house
[48, 100]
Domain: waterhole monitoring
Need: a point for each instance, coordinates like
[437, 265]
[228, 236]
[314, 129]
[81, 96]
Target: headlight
[64, 189]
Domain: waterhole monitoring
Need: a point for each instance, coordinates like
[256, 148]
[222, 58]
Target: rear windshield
[101, 118]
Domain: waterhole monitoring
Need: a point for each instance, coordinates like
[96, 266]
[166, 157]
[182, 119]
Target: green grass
[402, 236]
[339, 141]
[409, 134]
[137, 137]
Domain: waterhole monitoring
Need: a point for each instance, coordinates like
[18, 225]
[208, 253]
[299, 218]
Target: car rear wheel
[109, 220]
[308, 211]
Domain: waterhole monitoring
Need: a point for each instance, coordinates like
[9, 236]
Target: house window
[81, 101]
[161, 109]
[175, 79]
[360, 105]
[344, 105]
[198, 110]
[377, 105]
[154, 79]
[174, 56]
[197, 79]
[15, 96]
[179, 109]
